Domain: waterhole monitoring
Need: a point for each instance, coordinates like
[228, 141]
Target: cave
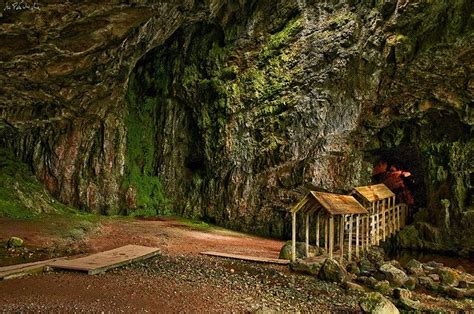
[205, 122]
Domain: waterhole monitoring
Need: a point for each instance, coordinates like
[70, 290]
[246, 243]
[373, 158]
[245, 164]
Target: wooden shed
[327, 207]
[385, 217]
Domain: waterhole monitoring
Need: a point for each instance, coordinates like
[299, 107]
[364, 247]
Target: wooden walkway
[249, 258]
[103, 261]
[19, 270]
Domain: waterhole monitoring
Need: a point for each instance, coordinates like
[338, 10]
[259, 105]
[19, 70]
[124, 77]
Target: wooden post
[341, 236]
[326, 234]
[293, 236]
[378, 223]
[331, 236]
[398, 217]
[307, 233]
[384, 211]
[357, 235]
[317, 229]
[349, 248]
[372, 225]
[367, 228]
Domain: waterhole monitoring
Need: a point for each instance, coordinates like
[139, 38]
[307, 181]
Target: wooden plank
[341, 236]
[373, 193]
[103, 261]
[384, 231]
[300, 204]
[18, 270]
[326, 234]
[336, 204]
[293, 236]
[258, 259]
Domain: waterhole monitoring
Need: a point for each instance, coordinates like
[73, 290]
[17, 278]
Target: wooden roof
[374, 192]
[333, 204]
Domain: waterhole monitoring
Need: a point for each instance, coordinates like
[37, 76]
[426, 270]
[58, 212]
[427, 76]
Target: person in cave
[396, 180]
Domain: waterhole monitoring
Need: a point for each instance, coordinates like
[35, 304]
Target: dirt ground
[178, 280]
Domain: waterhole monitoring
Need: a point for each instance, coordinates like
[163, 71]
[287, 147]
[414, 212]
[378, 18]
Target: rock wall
[231, 110]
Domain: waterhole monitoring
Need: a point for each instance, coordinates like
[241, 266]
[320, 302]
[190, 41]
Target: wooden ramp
[249, 258]
[19, 270]
[103, 261]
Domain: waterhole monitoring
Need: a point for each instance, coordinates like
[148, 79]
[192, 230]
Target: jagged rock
[353, 268]
[14, 242]
[414, 267]
[454, 292]
[112, 117]
[376, 256]
[367, 281]
[434, 264]
[410, 283]
[285, 252]
[308, 267]
[367, 267]
[427, 283]
[394, 275]
[399, 293]
[353, 286]
[409, 304]
[448, 276]
[332, 271]
[377, 304]
[434, 277]
[383, 287]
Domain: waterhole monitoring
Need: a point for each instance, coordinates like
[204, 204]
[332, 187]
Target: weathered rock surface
[230, 111]
[14, 242]
[332, 271]
[376, 303]
[285, 252]
[395, 276]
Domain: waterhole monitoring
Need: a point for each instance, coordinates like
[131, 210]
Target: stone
[377, 304]
[463, 284]
[353, 268]
[14, 242]
[408, 304]
[332, 271]
[285, 252]
[434, 264]
[367, 267]
[376, 256]
[434, 277]
[367, 281]
[353, 286]
[410, 283]
[414, 267]
[308, 267]
[383, 287]
[427, 283]
[448, 276]
[399, 293]
[395, 263]
[454, 292]
[395, 276]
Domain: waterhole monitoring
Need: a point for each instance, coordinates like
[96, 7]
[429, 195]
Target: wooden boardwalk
[103, 261]
[249, 258]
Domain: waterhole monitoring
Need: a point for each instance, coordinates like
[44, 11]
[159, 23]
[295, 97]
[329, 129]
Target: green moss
[280, 39]
[141, 153]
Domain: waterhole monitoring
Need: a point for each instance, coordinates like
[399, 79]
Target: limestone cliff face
[231, 110]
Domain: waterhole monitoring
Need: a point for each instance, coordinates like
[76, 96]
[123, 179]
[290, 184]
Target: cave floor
[179, 279]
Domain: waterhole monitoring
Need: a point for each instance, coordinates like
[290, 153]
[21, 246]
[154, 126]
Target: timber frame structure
[326, 208]
[363, 218]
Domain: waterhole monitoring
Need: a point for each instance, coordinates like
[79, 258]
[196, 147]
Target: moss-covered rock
[332, 271]
[376, 303]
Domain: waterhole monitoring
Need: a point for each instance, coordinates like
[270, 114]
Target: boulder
[410, 305]
[410, 283]
[353, 286]
[366, 266]
[377, 304]
[376, 256]
[434, 277]
[285, 252]
[399, 293]
[383, 287]
[448, 276]
[427, 283]
[353, 268]
[367, 281]
[395, 276]
[14, 242]
[414, 267]
[456, 293]
[307, 267]
[332, 271]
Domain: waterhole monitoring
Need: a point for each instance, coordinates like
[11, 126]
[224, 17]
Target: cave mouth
[401, 170]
